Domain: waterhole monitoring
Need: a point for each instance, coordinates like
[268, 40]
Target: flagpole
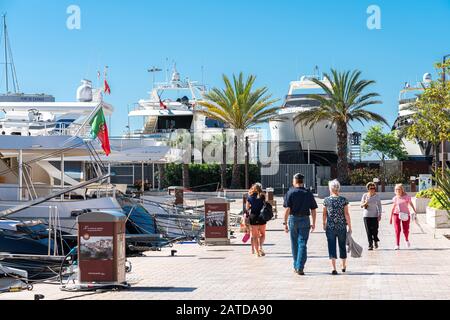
[88, 119]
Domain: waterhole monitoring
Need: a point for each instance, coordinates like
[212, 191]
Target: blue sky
[278, 40]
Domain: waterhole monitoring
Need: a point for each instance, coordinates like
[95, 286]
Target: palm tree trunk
[223, 173]
[161, 176]
[235, 181]
[342, 148]
[247, 160]
[383, 179]
[186, 182]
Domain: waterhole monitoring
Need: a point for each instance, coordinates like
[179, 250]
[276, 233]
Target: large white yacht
[417, 150]
[298, 143]
[174, 105]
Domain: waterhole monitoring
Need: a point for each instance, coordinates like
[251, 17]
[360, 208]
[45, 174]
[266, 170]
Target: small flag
[107, 88]
[98, 75]
[100, 130]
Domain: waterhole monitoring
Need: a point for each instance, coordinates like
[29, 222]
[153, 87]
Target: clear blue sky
[278, 40]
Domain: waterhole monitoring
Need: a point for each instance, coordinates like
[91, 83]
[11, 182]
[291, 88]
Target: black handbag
[266, 213]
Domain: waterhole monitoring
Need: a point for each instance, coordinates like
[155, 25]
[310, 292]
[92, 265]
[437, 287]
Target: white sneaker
[397, 248]
[408, 244]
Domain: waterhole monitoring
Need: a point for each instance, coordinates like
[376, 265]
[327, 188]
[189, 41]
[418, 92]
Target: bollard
[413, 185]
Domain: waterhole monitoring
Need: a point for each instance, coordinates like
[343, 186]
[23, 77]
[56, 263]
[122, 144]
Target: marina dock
[232, 273]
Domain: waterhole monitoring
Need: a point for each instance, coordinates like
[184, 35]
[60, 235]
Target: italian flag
[100, 130]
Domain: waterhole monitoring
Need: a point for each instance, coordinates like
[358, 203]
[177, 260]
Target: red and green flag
[100, 130]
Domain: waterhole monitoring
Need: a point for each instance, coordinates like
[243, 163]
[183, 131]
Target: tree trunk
[436, 158]
[223, 173]
[383, 178]
[235, 181]
[247, 160]
[186, 182]
[443, 158]
[342, 150]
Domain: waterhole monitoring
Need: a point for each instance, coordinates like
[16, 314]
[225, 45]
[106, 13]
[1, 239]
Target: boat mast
[9, 60]
[6, 52]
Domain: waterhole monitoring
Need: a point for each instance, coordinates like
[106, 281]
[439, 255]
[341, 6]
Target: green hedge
[206, 177]
[362, 176]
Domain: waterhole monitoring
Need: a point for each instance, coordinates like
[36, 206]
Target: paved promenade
[231, 272]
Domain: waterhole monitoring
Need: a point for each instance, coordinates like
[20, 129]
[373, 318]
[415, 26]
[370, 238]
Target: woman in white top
[371, 205]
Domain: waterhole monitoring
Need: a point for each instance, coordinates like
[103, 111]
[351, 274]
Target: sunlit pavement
[232, 273]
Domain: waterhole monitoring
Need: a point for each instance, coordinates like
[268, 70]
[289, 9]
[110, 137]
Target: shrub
[397, 177]
[362, 176]
[427, 194]
[435, 203]
[206, 177]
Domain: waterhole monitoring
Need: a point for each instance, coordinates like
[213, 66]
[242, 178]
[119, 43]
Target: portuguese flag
[100, 130]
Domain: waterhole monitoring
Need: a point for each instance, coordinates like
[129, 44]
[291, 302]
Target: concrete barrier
[355, 193]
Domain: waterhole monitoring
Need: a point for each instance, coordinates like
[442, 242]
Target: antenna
[317, 72]
[167, 69]
[203, 75]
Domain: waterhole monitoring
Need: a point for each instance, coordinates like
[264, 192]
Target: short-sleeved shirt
[401, 204]
[300, 201]
[256, 206]
[336, 212]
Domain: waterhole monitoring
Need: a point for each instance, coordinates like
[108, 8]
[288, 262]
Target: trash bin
[101, 248]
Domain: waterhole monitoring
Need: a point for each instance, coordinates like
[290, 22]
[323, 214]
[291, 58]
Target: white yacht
[417, 150]
[297, 142]
[174, 105]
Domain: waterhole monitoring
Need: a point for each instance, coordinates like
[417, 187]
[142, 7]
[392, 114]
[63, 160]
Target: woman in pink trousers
[400, 214]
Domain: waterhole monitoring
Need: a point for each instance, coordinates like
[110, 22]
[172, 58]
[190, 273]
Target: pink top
[401, 203]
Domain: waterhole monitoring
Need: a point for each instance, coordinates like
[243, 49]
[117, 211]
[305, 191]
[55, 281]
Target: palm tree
[241, 107]
[344, 102]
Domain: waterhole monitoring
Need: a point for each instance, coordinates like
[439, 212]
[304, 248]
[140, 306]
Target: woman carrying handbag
[400, 214]
[255, 203]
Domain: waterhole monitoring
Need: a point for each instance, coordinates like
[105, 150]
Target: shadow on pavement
[350, 273]
[175, 256]
[161, 289]
[415, 249]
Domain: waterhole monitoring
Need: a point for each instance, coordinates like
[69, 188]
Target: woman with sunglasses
[371, 204]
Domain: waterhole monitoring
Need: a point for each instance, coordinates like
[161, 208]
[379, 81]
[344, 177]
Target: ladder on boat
[39, 201]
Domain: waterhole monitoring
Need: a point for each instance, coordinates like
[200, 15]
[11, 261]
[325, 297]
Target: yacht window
[175, 122]
[212, 123]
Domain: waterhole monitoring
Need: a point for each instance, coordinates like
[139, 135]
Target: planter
[437, 218]
[421, 204]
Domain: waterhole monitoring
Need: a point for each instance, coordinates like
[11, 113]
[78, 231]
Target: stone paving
[232, 273]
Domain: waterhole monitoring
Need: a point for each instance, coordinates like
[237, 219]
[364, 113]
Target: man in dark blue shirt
[300, 205]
